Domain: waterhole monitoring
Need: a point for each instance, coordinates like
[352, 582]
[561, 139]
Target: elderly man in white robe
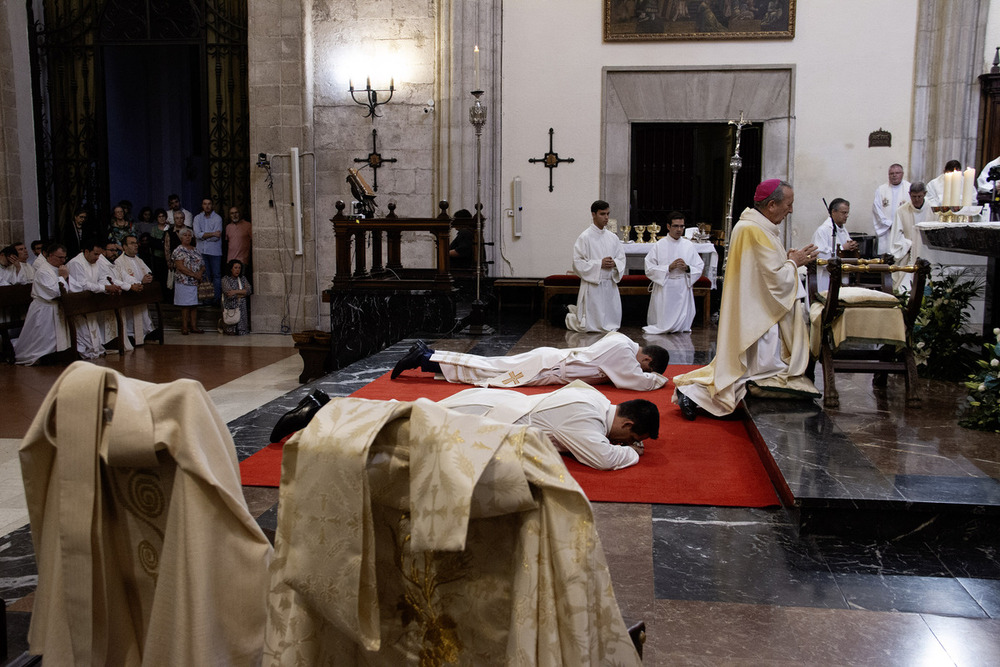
[87, 274]
[822, 238]
[888, 197]
[905, 244]
[44, 330]
[132, 274]
[599, 260]
[763, 339]
[673, 265]
[577, 418]
[615, 359]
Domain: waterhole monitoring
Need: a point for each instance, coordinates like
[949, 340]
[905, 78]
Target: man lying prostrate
[577, 419]
[614, 358]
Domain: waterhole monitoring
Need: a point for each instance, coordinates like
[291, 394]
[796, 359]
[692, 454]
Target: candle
[949, 185]
[969, 187]
[476, 58]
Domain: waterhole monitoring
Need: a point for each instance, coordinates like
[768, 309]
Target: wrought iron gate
[70, 127]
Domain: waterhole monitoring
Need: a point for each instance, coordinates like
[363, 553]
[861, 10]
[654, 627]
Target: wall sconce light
[371, 97]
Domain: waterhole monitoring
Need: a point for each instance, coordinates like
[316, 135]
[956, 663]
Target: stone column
[11, 216]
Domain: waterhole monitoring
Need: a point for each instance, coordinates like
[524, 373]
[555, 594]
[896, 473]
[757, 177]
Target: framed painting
[660, 20]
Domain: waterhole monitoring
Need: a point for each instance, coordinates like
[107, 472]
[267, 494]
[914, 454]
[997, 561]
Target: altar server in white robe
[44, 330]
[599, 260]
[615, 359]
[839, 210]
[905, 244]
[763, 337]
[87, 274]
[577, 418]
[132, 274]
[888, 197]
[12, 270]
[673, 264]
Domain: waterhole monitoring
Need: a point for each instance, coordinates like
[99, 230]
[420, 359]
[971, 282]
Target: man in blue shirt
[208, 232]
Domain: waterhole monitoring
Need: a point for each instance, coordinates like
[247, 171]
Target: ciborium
[654, 232]
[640, 233]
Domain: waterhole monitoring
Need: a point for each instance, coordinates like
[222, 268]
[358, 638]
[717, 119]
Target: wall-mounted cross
[551, 159]
[375, 160]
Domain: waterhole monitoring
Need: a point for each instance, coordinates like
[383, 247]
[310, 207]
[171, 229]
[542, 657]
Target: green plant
[983, 413]
[944, 349]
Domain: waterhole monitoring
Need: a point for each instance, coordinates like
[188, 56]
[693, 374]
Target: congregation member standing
[905, 244]
[599, 260]
[208, 232]
[235, 292]
[174, 205]
[888, 198]
[119, 228]
[88, 274]
[239, 239]
[189, 269]
[73, 235]
[763, 337]
[839, 211]
[673, 265]
[44, 330]
[133, 274]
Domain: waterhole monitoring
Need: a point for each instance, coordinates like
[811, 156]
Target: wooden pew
[84, 303]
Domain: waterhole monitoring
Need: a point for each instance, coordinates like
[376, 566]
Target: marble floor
[841, 577]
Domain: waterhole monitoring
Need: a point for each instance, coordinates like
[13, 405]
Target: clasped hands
[804, 255]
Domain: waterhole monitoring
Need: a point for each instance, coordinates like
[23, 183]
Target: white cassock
[22, 275]
[577, 419]
[763, 338]
[888, 198]
[905, 243]
[935, 191]
[91, 330]
[130, 271]
[44, 330]
[611, 359]
[671, 306]
[823, 240]
[599, 305]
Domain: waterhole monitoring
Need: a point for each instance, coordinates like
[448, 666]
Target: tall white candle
[476, 58]
[946, 193]
[968, 187]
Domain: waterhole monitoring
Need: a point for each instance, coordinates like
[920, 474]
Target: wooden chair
[843, 314]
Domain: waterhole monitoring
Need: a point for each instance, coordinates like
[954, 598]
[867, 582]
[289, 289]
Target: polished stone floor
[843, 576]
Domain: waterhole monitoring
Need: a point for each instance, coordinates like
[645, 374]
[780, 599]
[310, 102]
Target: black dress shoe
[688, 407]
[418, 354]
[298, 417]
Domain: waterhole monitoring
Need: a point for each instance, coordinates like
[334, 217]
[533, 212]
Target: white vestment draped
[671, 305]
[44, 330]
[905, 243]
[762, 327]
[611, 359]
[147, 554]
[888, 198]
[599, 305]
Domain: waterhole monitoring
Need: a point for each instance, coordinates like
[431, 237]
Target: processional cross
[735, 163]
[375, 160]
[551, 159]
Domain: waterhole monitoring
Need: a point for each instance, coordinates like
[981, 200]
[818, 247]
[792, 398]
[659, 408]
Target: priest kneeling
[673, 265]
[763, 339]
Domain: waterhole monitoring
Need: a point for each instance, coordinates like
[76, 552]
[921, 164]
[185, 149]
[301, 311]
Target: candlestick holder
[475, 322]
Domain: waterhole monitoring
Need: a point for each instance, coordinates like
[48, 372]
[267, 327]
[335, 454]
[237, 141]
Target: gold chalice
[626, 230]
[654, 232]
[640, 232]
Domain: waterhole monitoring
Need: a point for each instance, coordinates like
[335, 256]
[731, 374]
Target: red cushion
[564, 279]
[702, 282]
[633, 281]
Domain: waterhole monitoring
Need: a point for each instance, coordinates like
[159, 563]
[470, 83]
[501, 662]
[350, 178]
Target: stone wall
[11, 215]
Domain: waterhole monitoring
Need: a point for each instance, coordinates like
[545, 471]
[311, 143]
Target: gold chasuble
[760, 291]
[412, 534]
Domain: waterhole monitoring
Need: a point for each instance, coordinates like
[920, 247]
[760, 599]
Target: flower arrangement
[942, 346]
[983, 413]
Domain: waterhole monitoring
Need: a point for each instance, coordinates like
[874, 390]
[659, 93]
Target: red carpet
[704, 462]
